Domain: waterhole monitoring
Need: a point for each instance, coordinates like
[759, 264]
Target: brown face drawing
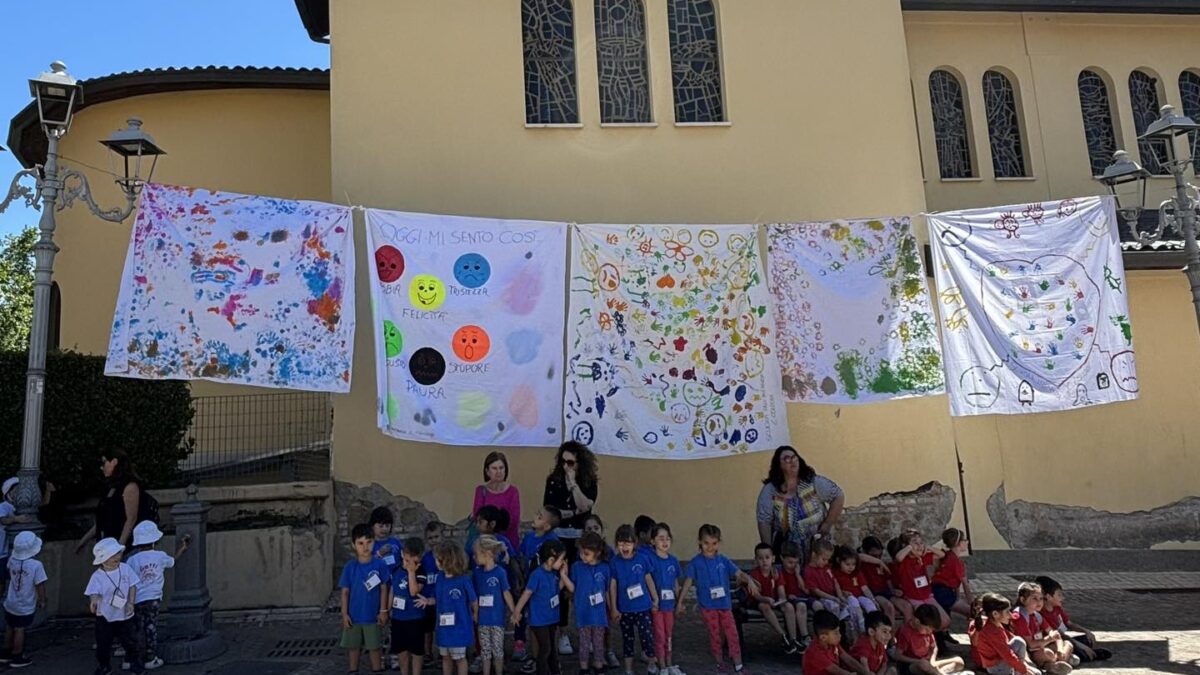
[389, 263]
[470, 343]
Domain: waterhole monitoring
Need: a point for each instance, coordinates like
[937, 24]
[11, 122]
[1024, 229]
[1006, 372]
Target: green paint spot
[393, 408]
[1122, 322]
[473, 407]
[885, 381]
[846, 367]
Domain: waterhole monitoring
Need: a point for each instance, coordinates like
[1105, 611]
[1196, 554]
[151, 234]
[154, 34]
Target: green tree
[16, 289]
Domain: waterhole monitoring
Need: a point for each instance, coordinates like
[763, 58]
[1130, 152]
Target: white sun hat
[8, 485]
[146, 532]
[105, 549]
[25, 546]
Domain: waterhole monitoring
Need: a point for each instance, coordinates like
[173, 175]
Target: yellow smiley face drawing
[427, 292]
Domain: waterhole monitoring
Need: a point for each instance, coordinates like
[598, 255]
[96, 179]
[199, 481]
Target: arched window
[621, 60]
[1004, 125]
[695, 61]
[1189, 94]
[548, 32]
[950, 125]
[1143, 98]
[1098, 126]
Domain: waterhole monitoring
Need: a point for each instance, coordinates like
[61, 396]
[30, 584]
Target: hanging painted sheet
[468, 328]
[855, 324]
[236, 288]
[671, 343]
[1034, 310]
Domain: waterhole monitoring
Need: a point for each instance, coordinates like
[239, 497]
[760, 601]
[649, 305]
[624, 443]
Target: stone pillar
[188, 627]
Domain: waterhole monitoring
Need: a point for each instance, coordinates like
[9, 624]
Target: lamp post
[55, 188]
[1181, 209]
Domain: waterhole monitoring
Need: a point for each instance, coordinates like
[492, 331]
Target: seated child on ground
[916, 648]
[825, 656]
[993, 648]
[871, 649]
[1054, 614]
[1047, 649]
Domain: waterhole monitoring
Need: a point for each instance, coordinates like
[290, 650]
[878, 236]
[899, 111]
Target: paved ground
[1151, 621]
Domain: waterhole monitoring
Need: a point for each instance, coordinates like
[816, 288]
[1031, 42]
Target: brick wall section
[927, 508]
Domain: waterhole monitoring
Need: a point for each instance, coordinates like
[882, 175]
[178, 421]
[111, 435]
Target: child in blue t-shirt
[457, 607]
[591, 577]
[710, 572]
[364, 586]
[665, 569]
[643, 529]
[547, 518]
[493, 591]
[408, 609]
[492, 520]
[541, 595]
[433, 537]
[632, 594]
[385, 547]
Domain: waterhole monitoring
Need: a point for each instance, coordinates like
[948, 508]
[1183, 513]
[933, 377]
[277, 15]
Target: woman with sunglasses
[572, 488]
[796, 504]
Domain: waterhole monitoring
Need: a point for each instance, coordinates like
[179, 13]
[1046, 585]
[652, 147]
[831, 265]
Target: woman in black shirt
[117, 511]
[572, 487]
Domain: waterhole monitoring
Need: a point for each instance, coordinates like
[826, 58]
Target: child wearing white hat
[150, 565]
[26, 593]
[8, 516]
[113, 593]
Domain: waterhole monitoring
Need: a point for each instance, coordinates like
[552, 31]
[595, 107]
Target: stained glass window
[1098, 126]
[1143, 97]
[950, 125]
[1189, 93]
[1004, 125]
[695, 61]
[548, 32]
[621, 60]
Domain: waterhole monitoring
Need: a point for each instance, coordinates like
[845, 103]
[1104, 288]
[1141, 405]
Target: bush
[85, 413]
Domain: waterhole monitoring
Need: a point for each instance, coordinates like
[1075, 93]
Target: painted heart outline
[1041, 314]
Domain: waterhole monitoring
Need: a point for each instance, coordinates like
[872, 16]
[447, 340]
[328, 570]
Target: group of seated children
[433, 591]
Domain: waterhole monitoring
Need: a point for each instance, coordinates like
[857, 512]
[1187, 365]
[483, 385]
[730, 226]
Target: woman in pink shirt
[498, 492]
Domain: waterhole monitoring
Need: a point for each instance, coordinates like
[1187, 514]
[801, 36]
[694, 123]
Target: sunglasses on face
[568, 462]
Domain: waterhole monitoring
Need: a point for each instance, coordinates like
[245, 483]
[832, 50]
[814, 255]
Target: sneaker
[154, 663]
[6, 656]
[741, 670]
[611, 659]
[19, 662]
[1075, 661]
[476, 666]
[519, 653]
[126, 666]
[530, 666]
[652, 668]
[1059, 668]
[393, 661]
[564, 646]
[789, 647]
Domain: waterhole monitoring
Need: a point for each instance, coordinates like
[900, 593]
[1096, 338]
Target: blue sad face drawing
[472, 270]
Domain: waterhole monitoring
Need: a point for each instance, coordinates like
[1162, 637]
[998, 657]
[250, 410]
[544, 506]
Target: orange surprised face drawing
[470, 343]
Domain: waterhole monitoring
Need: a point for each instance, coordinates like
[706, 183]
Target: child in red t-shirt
[902, 605]
[951, 575]
[914, 561]
[771, 597]
[854, 589]
[993, 648]
[877, 575]
[791, 575]
[1056, 616]
[1047, 649]
[825, 655]
[822, 587]
[871, 649]
[916, 648]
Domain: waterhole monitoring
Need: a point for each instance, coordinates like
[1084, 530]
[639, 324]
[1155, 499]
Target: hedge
[87, 412]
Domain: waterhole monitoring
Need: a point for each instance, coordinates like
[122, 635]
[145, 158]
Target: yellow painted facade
[426, 113]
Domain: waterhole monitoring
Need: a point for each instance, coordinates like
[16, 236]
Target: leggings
[547, 651]
[591, 647]
[718, 622]
[858, 608]
[124, 631]
[639, 621]
[146, 615]
[664, 627]
[833, 606]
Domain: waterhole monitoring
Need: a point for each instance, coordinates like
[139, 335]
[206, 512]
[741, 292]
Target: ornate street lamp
[58, 96]
[1179, 211]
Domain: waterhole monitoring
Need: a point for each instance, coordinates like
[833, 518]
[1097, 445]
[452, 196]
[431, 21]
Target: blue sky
[87, 36]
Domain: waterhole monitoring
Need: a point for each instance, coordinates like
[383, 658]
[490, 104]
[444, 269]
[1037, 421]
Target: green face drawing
[393, 342]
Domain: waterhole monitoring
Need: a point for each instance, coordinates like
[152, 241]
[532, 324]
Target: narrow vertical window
[695, 61]
[1189, 94]
[1143, 98]
[950, 125]
[1004, 125]
[1098, 126]
[548, 32]
[621, 60]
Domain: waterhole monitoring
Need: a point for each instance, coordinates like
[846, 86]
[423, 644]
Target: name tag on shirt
[920, 582]
[372, 581]
[716, 592]
[118, 601]
[431, 578]
[399, 603]
[487, 601]
[446, 619]
[553, 601]
[389, 560]
[596, 599]
[668, 594]
[634, 592]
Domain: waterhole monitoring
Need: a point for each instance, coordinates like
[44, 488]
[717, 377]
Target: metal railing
[259, 438]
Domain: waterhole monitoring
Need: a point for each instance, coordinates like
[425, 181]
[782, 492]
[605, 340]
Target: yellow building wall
[1121, 458]
[428, 115]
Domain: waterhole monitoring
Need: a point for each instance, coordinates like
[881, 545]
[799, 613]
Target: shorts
[408, 636]
[362, 636]
[917, 603]
[886, 593]
[455, 653]
[491, 642]
[945, 596]
[17, 620]
[430, 619]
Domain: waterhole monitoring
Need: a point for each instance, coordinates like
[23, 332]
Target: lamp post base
[202, 647]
